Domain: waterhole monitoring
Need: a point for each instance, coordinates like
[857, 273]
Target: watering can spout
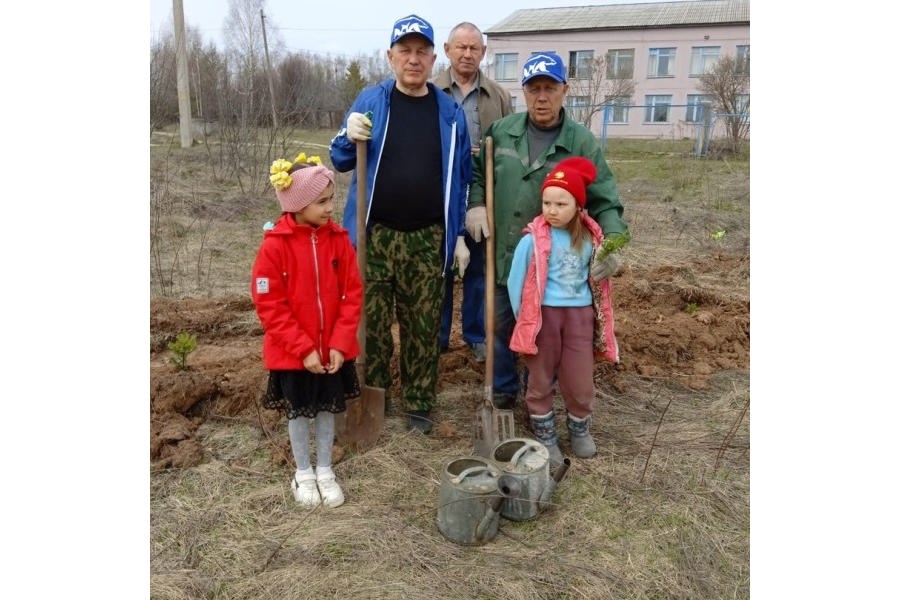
[558, 474]
[507, 487]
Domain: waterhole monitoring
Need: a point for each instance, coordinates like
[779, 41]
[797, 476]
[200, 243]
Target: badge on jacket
[262, 285]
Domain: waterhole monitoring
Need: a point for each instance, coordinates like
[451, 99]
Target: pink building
[651, 56]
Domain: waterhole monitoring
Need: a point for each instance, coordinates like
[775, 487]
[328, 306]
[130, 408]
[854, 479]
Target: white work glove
[461, 255]
[359, 128]
[477, 224]
[607, 267]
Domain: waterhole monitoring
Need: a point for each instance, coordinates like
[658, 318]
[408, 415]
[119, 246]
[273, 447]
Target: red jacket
[307, 292]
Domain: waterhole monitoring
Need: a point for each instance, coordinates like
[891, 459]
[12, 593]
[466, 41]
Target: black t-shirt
[407, 194]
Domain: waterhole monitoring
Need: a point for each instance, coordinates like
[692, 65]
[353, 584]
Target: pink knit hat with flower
[305, 186]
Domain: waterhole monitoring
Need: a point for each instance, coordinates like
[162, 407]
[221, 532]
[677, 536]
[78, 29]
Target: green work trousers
[404, 273]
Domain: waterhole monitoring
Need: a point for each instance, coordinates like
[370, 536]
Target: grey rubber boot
[545, 432]
[580, 436]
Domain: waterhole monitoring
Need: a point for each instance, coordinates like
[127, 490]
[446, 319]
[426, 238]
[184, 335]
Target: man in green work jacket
[526, 147]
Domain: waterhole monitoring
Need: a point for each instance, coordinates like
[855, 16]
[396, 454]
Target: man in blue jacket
[419, 168]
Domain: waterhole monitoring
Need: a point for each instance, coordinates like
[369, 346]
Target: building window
[742, 101]
[703, 58]
[658, 107]
[578, 107]
[694, 109]
[742, 56]
[581, 64]
[512, 102]
[618, 113]
[506, 67]
[662, 62]
[620, 64]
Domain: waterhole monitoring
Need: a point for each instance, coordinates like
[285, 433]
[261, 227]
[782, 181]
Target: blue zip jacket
[456, 167]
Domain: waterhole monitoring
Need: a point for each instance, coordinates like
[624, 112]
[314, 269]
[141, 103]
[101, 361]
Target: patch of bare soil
[669, 325]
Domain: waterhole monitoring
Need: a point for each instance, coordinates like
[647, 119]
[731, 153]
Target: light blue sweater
[567, 273]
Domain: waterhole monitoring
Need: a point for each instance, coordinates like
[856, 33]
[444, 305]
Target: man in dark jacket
[483, 101]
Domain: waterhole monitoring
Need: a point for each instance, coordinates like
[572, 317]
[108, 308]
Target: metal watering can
[470, 501]
[528, 462]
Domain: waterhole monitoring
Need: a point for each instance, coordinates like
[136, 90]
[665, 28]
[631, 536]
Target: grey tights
[298, 432]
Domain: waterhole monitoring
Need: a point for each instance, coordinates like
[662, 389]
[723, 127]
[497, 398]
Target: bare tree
[163, 96]
[375, 67]
[300, 89]
[246, 102]
[727, 83]
[163, 88]
[589, 95]
[354, 82]
[243, 36]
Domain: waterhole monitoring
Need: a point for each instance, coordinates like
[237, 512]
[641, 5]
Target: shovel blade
[492, 426]
[485, 436]
[362, 423]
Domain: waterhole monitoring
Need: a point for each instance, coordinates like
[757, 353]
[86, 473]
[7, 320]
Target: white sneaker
[332, 495]
[303, 485]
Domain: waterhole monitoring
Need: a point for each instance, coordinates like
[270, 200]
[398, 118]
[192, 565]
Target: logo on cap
[412, 24]
[543, 64]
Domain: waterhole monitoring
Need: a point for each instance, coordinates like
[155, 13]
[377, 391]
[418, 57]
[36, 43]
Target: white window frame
[581, 64]
[506, 66]
[661, 63]
[742, 56]
[694, 112]
[620, 63]
[703, 59]
[618, 114]
[577, 105]
[658, 108]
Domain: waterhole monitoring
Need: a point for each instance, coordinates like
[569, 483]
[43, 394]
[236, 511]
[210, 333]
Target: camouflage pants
[404, 272]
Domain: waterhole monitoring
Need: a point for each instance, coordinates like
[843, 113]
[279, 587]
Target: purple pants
[565, 348]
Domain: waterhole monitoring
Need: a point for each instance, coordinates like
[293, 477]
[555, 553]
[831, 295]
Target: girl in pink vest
[551, 295]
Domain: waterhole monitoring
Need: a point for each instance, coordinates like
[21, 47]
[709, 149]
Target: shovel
[363, 421]
[492, 425]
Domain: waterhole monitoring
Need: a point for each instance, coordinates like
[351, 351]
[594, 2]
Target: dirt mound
[669, 323]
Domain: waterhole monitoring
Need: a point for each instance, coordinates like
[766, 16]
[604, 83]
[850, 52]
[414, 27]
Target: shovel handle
[489, 271]
[361, 210]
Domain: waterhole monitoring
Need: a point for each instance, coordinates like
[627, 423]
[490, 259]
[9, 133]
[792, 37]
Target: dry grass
[663, 510]
[679, 529]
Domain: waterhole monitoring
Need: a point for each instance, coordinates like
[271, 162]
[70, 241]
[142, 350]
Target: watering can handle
[468, 472]
[515, 457]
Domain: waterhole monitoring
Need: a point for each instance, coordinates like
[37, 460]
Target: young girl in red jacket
[550, 290]
[308, 296]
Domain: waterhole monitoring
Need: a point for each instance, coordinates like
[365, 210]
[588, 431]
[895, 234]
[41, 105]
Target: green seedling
[612, 244]
[691, 308]
[183, 345]
[718, 235]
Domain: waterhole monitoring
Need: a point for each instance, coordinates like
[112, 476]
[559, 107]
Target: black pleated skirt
[301, 393]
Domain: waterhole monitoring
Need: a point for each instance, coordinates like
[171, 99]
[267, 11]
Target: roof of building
[625, 16]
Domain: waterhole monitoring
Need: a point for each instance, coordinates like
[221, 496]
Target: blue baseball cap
[546, 64]
[412, 24]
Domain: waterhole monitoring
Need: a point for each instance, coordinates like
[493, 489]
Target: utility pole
[183, 81]
[262, 18]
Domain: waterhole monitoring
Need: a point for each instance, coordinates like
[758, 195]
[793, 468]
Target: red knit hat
[573, 175]
[305, 186]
